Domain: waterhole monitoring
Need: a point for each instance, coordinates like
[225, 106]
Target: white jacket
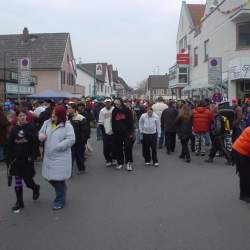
[105, 117]
[57, 162]
[159, 107]
[150, 124]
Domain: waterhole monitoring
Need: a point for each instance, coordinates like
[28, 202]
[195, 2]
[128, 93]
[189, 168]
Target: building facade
[156, 86]
[50, 55]
[219, 29]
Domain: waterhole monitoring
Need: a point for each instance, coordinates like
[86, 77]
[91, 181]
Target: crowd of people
[57, 133]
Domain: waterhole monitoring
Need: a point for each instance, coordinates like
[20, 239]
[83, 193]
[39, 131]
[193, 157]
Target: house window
[196, 56]
[183, 44]
[63, 77]
[183, 75]
[206, 50]
[243, 35]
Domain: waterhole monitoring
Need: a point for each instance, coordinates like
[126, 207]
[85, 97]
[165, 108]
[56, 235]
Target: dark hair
[73, 106]
[20, 111]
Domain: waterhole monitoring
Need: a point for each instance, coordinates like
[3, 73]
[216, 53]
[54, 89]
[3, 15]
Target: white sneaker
[129, 166]
[147, 164]
[108, 164]
[156, 164]
[119, 167]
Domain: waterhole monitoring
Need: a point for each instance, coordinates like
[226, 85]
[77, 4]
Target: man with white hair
[105, 125]
[158, 108]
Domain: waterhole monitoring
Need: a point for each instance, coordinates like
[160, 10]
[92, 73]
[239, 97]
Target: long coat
[57, 162]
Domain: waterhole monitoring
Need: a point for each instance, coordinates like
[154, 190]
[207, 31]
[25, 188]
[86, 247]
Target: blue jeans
[161, 140]
[60, 189]
[98, 133]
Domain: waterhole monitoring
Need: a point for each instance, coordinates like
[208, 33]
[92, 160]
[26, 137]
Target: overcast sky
[136, 36]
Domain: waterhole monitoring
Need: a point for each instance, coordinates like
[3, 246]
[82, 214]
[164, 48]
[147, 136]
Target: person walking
[238, 116]
[123, 129]
[220, 129]
[82, 131]
[150, 128]
[20, 158]
[107, 133]
[201, 121]
[168, 118]
[4, 125]
[58, 136]
[184, 131]
[241, 154]
[158, 108]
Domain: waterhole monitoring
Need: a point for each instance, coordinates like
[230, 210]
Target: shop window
[243, 35]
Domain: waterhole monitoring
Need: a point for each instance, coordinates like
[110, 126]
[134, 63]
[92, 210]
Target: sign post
[215, 71]
[24, 73]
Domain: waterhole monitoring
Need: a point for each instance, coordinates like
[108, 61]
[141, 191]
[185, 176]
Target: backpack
[220, 125]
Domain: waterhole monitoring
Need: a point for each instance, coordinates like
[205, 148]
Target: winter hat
[60, 112]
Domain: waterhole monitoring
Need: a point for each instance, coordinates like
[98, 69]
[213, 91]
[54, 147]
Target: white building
[221, 28]
[99, 72]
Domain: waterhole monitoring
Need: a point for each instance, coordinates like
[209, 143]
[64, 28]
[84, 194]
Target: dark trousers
[108, 147]
[149, 143]
[29, 182]
[218, 145]
[78, 156]
[170, 141]
[185, 151]
[236, 133]
[60, 190]
[243, 169]
[123, 149]
[193, 143]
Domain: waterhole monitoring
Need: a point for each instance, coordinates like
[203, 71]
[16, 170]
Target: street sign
[182, 58]
[215, 70]
[98, 69]
[12, 88]
[24, 71]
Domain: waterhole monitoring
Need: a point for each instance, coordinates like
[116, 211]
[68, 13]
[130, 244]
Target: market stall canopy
[54, 94]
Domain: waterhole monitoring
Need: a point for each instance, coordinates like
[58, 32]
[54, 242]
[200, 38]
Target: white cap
[107, 100]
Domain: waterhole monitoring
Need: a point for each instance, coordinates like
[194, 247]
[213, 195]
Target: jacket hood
[200, 109]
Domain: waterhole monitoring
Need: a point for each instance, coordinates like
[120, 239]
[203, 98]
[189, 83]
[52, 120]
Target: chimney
[25, 35]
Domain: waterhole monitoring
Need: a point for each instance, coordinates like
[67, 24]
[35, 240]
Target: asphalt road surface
[178, 206]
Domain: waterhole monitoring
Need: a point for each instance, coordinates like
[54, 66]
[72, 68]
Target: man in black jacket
[82, 132]
[168, 118]
[123, 129]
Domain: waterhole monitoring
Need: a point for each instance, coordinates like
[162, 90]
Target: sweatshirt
[105, 117]
[122, 121]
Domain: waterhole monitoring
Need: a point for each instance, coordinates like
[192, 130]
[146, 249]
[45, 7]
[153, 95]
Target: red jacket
[202, 119]
[242, 144]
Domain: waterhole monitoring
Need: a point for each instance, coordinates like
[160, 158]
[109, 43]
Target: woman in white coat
[58, 136]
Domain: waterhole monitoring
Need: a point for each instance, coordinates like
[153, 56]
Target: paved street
[178, 206]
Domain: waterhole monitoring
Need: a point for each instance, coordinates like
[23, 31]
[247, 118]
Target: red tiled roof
[197, 12]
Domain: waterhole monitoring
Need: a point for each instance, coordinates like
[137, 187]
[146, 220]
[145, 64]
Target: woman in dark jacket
[184, 131]
[20, 158]
[4, 124]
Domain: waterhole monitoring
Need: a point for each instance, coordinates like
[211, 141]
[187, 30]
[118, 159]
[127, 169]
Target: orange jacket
[202, 119]
[242, 144]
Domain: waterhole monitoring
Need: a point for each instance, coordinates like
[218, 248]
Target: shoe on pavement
[17, 208]
[147, 164]
[188, 160]
[108, 164]
[114, 163]
[57, 207]
[129, 166]
[119, 167]
[36, 193]
[156, 165]
[210, 160]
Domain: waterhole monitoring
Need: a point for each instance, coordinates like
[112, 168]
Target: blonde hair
[185, 113]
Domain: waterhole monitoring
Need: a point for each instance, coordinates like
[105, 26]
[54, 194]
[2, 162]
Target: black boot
[19, 203]
[36, 192]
